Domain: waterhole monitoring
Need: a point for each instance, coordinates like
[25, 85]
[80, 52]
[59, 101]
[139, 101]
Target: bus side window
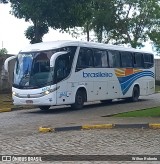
[126, 59]
[114, 59]
[148, 60]
[100, 59]
[85, 59]
[138, 60]
[62, 67]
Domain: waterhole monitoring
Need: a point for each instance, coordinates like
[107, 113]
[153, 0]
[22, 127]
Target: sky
[12, 32]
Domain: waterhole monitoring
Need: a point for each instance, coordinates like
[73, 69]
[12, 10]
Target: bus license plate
[29, 102]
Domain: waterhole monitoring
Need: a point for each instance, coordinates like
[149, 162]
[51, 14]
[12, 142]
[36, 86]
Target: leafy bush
[3, 51]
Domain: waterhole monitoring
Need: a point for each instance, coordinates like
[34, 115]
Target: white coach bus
[73, 72]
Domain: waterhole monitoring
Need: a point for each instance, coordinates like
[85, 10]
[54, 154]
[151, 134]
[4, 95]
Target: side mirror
[54, 56]
[7, 61]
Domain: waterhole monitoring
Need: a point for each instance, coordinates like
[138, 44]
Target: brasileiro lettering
[97, 74]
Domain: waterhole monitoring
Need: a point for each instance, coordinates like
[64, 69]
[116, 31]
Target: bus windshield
[32, 70]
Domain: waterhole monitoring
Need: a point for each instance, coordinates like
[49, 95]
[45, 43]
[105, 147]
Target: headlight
[46, 92]
[14, 93]
[50, 90]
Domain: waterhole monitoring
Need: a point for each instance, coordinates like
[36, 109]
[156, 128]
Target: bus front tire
[44, 107]
[79, 100]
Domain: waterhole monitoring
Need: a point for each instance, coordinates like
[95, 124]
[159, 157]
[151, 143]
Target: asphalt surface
[94, 113]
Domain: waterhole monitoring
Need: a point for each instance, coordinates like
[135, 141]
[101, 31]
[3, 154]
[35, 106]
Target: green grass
[6, 101]
[150, 112]
[157, 88]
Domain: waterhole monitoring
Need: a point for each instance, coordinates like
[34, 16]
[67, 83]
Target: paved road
[19, 131]
[58, 116]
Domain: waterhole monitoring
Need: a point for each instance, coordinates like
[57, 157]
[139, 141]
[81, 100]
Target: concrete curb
[100, 126]
[154, 126]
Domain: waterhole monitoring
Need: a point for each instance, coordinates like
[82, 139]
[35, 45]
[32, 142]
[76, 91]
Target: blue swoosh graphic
[127, 81]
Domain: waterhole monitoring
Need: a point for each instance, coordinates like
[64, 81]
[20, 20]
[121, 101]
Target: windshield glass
[32, 69]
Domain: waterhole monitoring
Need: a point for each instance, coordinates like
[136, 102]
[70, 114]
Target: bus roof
[63, 43]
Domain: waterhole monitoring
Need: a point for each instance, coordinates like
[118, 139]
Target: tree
[104, 18]
[3, 51]
[134, 21]
[154, 34]
[99, 16]
[58, 14]
[78, 23]
[129, 22]
[35, 33]
[3, 1]
[30, 11]
[155, 37]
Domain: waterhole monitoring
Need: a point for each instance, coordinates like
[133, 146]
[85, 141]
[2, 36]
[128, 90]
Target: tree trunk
[87, 30]
[37, 37]
[100, 33]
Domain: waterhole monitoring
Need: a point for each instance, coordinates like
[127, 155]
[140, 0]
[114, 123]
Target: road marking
[102, 126]
[154, 126]
[45, 129]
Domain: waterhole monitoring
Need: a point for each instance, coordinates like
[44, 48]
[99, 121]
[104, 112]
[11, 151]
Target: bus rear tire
[135, 94]
[79, 100]
[44, 107]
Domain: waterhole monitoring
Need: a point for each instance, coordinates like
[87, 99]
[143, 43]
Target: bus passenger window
[62, 67]
[114, 59]
[138, 62]
[85, 59]
[126, 59]
[148, 60]
[100, 59]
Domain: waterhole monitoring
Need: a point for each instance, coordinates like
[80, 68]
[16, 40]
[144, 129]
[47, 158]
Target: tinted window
[138, 60]
[114, 58]
[100, 58]
[126, 59]
[148, 60]
[85, 59]
[41, 63]
[63, 66]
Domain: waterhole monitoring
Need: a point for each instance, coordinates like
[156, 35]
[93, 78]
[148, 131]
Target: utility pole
[2, 43]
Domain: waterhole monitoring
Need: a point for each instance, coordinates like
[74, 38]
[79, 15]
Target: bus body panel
[35, 96]
[99, 88]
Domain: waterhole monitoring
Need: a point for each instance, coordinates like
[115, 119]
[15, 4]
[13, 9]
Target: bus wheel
[135, 94]
[106, 101]
[79, 100]
[44, 107]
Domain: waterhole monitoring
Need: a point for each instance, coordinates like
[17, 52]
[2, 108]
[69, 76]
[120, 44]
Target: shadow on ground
[67, 109]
